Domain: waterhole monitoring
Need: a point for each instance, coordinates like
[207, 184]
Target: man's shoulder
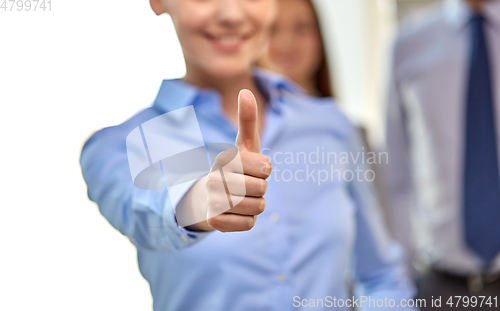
[422, 22]
[420, 30]
[422, 42]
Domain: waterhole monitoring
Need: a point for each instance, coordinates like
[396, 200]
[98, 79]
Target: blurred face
[220, 38]
[295, 49]
[476, 4]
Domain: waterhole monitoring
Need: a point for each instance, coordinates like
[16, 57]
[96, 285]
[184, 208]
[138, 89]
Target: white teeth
[229, 40]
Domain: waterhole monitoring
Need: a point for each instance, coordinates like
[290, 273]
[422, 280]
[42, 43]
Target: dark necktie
[481, 178]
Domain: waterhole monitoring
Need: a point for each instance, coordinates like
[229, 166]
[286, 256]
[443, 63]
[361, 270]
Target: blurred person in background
[296, 49]
[442, 136]
[297, 252]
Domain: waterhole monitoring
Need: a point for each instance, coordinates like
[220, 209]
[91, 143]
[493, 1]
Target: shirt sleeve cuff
[184, 237]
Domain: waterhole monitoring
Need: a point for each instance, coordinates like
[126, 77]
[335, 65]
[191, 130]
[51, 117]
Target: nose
[231, 12]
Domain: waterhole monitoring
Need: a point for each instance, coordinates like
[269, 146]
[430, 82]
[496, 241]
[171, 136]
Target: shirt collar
[458, 13]
[175, 94]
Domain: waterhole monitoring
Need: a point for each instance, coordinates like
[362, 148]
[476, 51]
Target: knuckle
[266, 166]
[263, 187]
[265, 160]
[212, 181]
[249, 223]
[213, 200]
[218, 204]
[224, 158]
[216, 222]
[262, 206]
[220, 157]
[269, 167]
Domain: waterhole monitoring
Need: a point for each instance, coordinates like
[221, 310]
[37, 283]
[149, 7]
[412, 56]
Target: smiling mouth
[230, 42]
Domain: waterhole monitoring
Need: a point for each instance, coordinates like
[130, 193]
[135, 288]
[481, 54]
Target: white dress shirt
[426, 133]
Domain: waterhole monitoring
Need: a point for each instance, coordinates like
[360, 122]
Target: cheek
[261, 42]
[189, 21]
[262, 16]
[311, 53]
[266, 12]
[310, 46]
[262, 45]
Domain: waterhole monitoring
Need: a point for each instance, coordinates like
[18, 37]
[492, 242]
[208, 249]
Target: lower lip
[233, 47]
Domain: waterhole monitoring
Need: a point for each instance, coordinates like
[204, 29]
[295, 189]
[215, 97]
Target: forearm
[145, 217]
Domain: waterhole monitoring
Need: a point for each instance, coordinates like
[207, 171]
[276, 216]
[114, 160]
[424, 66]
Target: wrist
[199, 227]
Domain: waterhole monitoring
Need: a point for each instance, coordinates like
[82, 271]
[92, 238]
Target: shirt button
[281, 278]
[275, 217]
[184, 238]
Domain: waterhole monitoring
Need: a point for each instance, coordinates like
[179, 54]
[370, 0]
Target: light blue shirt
[318, 229]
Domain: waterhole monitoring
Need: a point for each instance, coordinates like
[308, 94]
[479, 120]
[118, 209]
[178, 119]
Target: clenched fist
[232, 194]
